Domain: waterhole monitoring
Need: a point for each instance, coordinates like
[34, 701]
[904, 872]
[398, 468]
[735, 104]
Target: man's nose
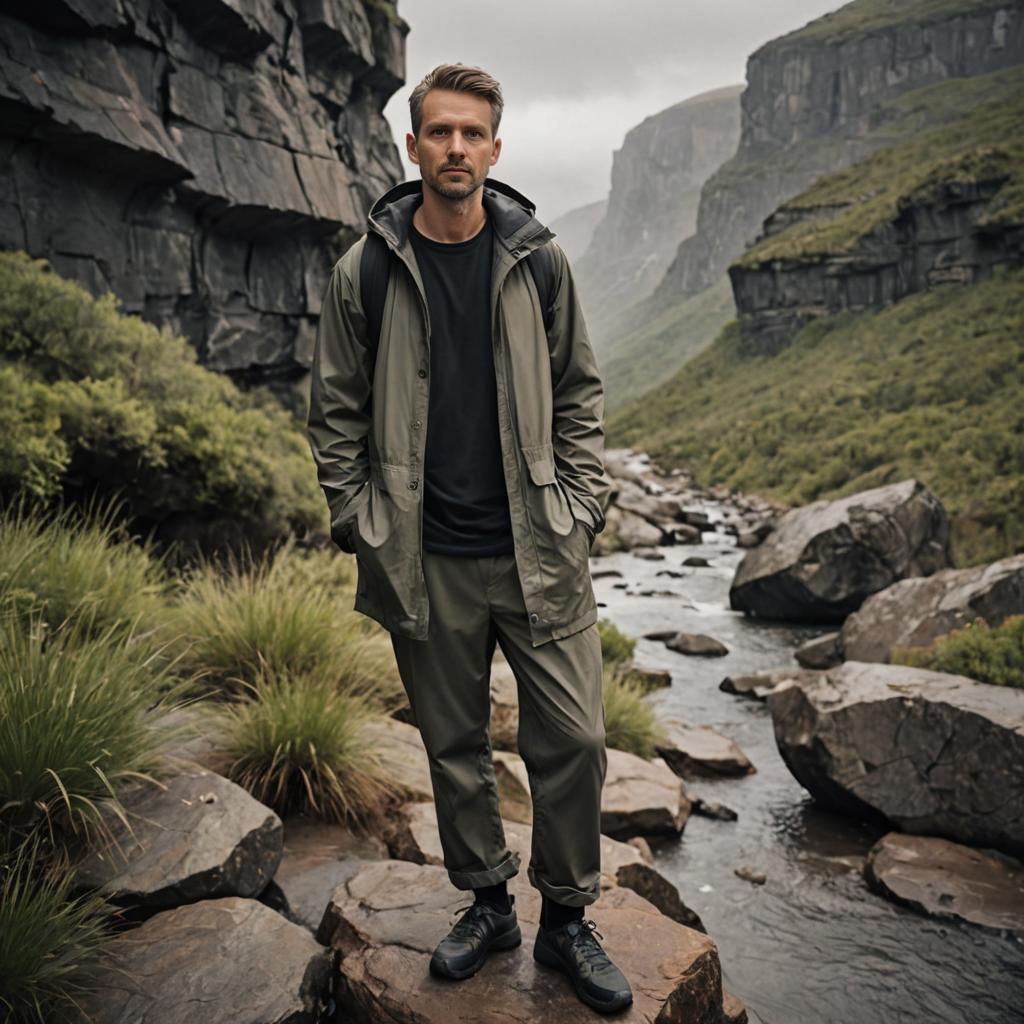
[456, 145]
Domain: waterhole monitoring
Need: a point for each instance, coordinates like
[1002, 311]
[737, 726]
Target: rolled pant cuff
[477, 879]
[566, 894]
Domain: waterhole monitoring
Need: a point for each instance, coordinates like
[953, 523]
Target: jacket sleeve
[578, 404]
[339, 400]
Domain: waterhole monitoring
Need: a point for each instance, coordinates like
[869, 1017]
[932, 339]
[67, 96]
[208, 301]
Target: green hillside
[932, 387]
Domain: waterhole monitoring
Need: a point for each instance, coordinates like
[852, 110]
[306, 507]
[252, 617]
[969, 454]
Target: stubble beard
[455, 191]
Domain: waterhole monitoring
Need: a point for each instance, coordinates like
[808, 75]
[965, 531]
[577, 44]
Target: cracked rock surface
[824, 559]
[928, 752]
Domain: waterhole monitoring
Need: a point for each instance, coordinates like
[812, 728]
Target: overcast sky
[578, 74]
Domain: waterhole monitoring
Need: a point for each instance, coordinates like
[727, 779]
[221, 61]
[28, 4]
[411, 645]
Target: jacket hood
[511, 213]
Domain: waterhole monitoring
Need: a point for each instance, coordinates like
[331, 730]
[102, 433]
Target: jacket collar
[510, 212]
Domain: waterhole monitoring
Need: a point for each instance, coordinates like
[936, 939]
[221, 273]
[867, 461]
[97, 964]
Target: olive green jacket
[368, 418]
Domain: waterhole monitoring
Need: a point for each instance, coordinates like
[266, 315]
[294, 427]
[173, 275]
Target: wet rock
[712, 809]
[685, 534]
[914, 612]
[386, 920]
[733, 1010]
[415, 838]
[634, 531]
[697, 561]
[220, 961]
[649, 554]
[599, 574]
[694, 751]
[749, 874]
[949, 880]
[660, 634]
[649, 678]
[757, 685]
[403, 756]
[197, 836]
[926, 752]
[821, 652]
[747, 539]
[697, 644]
[641, 798]
[317, 858]
[825, 558]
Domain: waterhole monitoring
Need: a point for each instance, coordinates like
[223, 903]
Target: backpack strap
[542, 265]
[374, 273]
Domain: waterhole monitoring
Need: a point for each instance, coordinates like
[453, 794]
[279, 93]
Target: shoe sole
[508, 940]
[545, 956]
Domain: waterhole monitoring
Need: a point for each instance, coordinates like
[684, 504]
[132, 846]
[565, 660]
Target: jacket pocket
[548, 503]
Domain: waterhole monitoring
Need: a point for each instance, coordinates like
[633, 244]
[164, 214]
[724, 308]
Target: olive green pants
[476, 602]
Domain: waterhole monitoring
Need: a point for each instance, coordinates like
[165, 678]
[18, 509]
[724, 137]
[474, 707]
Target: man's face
[455, 149]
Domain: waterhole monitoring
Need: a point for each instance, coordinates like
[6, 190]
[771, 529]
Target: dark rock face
[656, 181]
[914, 612]
[806, 86]
[205, 160]
[927, 752]
[825, 558]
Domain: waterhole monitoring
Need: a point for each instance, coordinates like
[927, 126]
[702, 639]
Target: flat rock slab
[415, 838]
[317, 858]
[196, 837]
[641, 798]
[914, 612]
[222, 961]
[928, 752]
[697, 644]
[387, 919]
[949, 880]
[823, 559]
[758, 685]
[700, 751]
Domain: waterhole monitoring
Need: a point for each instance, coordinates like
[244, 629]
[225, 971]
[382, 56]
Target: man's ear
[496, 151]
[410, 147]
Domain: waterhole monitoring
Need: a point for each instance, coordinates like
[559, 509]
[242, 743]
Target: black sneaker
[464, 949]
[575, 951]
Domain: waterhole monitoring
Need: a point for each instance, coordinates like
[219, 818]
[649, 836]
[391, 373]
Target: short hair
[458, 78]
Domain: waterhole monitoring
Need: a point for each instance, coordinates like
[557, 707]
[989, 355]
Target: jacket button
[535, 617]
[417, 424]
[423, 373]
[413, 485]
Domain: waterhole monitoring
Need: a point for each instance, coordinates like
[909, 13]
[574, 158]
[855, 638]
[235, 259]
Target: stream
[813, 945]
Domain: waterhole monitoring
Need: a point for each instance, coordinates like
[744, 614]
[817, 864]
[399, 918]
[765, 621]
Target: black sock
[554, 914]
[495, 895]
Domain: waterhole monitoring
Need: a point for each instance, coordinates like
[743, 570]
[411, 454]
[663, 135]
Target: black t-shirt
[465, 500]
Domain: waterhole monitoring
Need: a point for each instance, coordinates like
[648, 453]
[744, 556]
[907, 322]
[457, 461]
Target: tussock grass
[49, 942]
[300, 745]
[631, 723]
[978, 651]
[616, 647]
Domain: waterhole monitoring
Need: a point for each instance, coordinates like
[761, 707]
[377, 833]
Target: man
[461, 454]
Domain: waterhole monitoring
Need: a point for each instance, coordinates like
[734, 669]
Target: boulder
[949, 880]
[698, 750]
[386, 920]
[697, 644]
[415, 837]
[504, 707]
[757, 685]
[220, 961]
[821, 652]
[825, 558]
[914, 612]
[641, 798]
[927, 753]
[317, 858]
[404, 756]
[196, 836]
[634, 531]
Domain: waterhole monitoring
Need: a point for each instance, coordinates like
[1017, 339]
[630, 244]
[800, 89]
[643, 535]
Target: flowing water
[813, 945]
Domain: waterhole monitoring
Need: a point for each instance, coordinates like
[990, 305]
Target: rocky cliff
[575, 228]
[656, 181]
[809, 104]
[205, 160]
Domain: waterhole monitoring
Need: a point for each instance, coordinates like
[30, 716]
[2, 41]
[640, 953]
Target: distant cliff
[652, 206]
[809, 103]
[575, 229]
[205, 160]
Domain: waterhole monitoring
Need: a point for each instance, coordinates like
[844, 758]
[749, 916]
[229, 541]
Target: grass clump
[301, 746]
[75, 721]
[616, 647]
[977, 650]
[631, 723]
[49, 941]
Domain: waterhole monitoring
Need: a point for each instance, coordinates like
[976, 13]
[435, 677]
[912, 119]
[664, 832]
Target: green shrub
[78, 565]
[96, 401]
[49, 942]
[301, 746]
[281, 614]
[631, 724]
[74, 723]
[976, 651]
[616, 647]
